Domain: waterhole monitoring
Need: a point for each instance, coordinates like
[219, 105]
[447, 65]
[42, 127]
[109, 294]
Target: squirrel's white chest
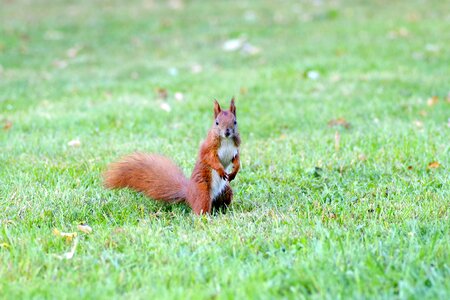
[227, 151]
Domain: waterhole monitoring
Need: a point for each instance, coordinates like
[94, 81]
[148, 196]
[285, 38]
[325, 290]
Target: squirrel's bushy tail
[154, 175]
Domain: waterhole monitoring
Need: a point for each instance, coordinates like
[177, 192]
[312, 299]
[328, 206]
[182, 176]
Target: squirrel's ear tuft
[217, 109]
[233, 107]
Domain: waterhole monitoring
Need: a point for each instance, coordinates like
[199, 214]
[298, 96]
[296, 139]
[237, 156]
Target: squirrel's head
[225, 122]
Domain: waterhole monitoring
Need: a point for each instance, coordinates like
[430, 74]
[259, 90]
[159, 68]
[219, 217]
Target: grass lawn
[343, 110]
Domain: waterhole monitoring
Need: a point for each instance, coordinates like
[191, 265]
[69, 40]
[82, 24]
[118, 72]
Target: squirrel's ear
[233, 107]
[217, 109]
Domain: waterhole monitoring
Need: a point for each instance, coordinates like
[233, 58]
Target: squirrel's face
[225, 120]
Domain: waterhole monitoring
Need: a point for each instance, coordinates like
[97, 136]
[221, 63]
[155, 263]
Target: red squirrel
[209, 186]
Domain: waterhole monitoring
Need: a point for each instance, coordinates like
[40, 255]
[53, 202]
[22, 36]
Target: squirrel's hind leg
[199, 199]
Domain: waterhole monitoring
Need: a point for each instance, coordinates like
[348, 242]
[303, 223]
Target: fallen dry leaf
[410, 167]
[165, 106]
[120, 230]
[74, 143]
[362, 157]
[84, 228]
[162, 93]
[433, 165]
[339, 122]
[433, 101]
[5, 246]
[398, 33]
[413, 17]
[70, 254]
[8, 222]
[7, 126]
[68, 236]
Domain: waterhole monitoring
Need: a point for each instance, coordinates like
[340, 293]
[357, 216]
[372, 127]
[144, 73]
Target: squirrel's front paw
[223, 174]
[231, 176]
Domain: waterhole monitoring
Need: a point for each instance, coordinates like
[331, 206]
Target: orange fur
[159, 178]
[154, 175]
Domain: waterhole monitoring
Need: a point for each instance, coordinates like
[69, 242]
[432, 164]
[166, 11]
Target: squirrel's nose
[227, 132]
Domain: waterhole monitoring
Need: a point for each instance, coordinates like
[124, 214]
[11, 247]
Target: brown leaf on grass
[7, 126]
[328, 215]
[8, 222]
[398, 33]
[362, 157]
[433, 101]
[68, 236]
[120, 230]
[410, 168]
[84, 228]
[70, 254]
[5, 246]
[110, 243]
[433, 165]
[423, 113]
[162, 93]
[413, 17]
[339, 122]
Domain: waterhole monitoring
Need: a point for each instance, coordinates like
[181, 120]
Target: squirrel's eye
[217, 123]
[235, 122]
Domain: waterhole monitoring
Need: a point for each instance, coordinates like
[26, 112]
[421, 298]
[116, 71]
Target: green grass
[367, 220]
